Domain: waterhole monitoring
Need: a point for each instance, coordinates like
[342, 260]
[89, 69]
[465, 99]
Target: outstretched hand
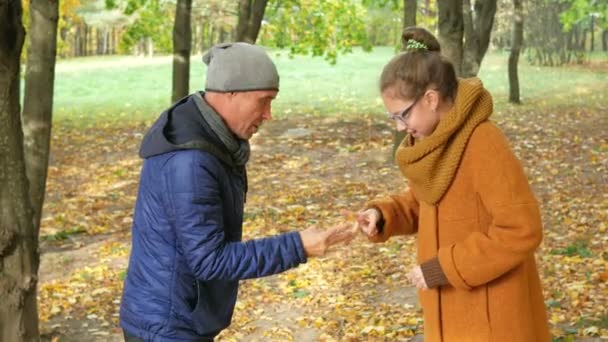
[317, 241]
[367, 220]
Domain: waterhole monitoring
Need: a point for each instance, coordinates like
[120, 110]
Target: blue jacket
[187, 256]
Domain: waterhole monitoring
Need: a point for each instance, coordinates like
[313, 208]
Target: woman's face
[418, 117]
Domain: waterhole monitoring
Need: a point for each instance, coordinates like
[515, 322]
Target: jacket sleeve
[195, 198]
[515, 230]
[400, 214]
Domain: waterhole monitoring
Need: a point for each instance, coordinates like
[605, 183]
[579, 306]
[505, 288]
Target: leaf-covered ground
[303, 171]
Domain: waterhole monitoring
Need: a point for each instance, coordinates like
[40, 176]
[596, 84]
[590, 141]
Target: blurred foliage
[154, 21]
[319, 27]
[556, 32]
[580, 11]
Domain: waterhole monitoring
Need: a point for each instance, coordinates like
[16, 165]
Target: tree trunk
[76, 46]
[409, 19]
[517, 41]
[222, 35]
[181, 49]
[111, 41]
[38, 98]
[605, 40]
[584, 40]
[87, 37]
[477, 30]
[251, 13]
[451, 29]
[149, 47]
[19, 258]
[203, 42]
[409, 13]
[211, 35]
[592, 33]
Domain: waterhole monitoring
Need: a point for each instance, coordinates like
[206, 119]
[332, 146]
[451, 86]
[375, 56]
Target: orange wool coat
[484, 232]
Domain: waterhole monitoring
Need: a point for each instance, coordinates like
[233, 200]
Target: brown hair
[419, 67]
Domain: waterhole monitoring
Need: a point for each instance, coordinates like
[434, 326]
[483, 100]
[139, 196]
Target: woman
[477, 220]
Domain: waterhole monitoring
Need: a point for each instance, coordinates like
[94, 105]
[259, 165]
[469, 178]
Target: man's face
[248, 110]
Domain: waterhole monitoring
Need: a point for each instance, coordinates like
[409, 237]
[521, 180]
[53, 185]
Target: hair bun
[416, 38]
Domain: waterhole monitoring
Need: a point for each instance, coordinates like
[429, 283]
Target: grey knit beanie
[233, 67]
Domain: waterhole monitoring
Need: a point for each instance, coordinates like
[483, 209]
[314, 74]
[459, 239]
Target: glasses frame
[403, 114]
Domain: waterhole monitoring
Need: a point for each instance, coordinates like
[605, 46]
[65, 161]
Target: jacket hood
[179, 127]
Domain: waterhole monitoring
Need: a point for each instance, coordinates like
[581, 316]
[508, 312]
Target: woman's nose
[401, 126]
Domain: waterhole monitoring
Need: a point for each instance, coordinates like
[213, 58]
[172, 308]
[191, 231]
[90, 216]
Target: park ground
[327, 149]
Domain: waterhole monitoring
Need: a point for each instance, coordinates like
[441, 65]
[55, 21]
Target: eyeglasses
[402, 115]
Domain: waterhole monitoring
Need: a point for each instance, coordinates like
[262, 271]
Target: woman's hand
[416, 277]
[367, 220]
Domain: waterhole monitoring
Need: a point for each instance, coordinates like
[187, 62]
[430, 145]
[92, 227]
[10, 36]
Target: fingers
[348, 214]
[341, 233]
[416, 277]
[367, 220]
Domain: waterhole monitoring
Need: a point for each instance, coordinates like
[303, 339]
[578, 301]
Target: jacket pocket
[214, 306]
[194, 302]
[465, 314]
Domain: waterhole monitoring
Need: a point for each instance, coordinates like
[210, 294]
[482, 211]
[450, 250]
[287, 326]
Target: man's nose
[267, 115]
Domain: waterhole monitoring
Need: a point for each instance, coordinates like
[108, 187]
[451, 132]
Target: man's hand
[317, 241]
[367, 221]
[417, 278]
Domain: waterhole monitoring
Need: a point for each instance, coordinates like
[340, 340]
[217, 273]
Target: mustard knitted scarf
[431, 163]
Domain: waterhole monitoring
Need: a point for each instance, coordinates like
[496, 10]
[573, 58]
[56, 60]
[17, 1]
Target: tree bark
[409, 19]
[478, 22]
[409, 13]
[87, 38]
[583, 42]
[181, 49]
[251, 13]
[592, 31]
[38, 98]
[517, 41]
[211, 34]
[451, 30]
[19, 258]
[605, 40]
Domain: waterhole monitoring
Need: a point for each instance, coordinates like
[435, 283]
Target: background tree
[547, 43]
[150, 30]
[409, 19]
[592, 14]
[478, 22]
[516, 44]
[19, 258]
[451, 31]
[38, 97]
[212, 21]
[464, 32]
[182, 42]
[409, 14]
[251, 13]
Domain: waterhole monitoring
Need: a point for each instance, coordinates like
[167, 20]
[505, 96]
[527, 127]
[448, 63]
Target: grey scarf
[238, 148]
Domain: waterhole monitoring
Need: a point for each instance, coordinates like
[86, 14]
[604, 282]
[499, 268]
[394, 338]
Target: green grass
[125, 87]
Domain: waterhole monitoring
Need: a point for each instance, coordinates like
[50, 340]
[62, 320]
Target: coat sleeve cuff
[433, 274]
[449, 268]
[297, 240]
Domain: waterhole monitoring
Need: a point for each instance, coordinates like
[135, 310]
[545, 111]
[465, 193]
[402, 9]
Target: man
[187, 256]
